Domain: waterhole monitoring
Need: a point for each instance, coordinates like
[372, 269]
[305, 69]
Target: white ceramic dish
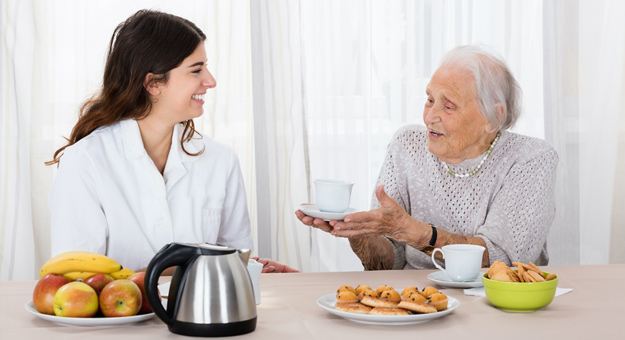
[328, 302]
[313, 211]
[100, 321]
[442, 279]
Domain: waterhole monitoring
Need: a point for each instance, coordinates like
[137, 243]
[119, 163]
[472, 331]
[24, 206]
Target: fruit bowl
[520, 296]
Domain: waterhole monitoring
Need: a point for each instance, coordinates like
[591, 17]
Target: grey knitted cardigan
[509, 203]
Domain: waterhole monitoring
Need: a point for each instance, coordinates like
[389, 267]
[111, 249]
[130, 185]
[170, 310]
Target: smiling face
[457, 130]
[182, 97]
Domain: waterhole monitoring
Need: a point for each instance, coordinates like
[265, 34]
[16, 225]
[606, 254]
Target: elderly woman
[463, 178]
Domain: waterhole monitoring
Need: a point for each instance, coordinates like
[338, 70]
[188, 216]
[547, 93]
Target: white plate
[328, 302]
[312, 211]
[98, 321]
[442, 279]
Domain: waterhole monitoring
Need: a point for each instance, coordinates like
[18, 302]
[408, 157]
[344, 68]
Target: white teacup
[463, 262]
[333, 195]
[255, 268]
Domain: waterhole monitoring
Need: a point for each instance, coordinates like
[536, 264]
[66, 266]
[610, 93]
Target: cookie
[388, 311]
[358, 308]
[377, 302]
[417, 307]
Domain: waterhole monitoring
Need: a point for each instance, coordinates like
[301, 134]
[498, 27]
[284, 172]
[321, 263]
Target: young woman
[135, 174]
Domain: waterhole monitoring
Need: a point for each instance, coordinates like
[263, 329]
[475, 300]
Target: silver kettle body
[210, 293]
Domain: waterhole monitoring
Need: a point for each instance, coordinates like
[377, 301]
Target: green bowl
[520, 296]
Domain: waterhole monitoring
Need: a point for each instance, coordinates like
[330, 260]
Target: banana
[80, 261]
[122, 274]
[73, 276]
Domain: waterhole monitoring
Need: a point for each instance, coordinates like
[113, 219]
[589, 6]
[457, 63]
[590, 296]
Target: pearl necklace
[474, 171]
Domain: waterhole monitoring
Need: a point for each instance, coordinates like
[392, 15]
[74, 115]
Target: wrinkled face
[182, 97]
[456, 129]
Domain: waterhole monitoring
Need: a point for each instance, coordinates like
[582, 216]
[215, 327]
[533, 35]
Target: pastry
[346, 288]
[417, 307]
[369, 292]
[377, 302]
[346, 297]
[353, 308]
[407, 291]
[417, 297]
[439, 301]
[390, 295]
[380, 289]
[361, 288]
[427, 291]
[388, 311]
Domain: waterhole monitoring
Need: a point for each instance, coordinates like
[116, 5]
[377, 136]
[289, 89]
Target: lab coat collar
[131, 139]
[133, 144]
[174, 169]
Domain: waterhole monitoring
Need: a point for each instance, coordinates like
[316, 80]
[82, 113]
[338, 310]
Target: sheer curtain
[53, 55]
[369, 80]
[314, 89]
[365, 65]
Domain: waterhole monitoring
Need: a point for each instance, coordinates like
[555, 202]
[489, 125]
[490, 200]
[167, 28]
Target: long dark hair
[147, 42]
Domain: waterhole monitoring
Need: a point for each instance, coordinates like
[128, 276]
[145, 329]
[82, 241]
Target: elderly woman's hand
[313, 222]
[390, 219]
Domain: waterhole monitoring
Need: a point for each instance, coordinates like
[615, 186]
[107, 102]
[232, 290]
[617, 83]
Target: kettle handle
[172, 254]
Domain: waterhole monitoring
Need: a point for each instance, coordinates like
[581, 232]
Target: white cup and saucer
[463, 264]
[332, 199]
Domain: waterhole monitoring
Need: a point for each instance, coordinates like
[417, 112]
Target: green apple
[120, 298]
[75, 299]
[98, 281]
[139, 279]
[43, 295]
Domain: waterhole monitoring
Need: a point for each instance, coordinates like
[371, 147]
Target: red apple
[76, 299]
[120, 298]
[139, 279]
[43, 295]
[98, 281]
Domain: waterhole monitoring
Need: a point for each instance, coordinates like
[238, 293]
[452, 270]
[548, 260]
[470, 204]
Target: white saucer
[313, 211]
[442, 279]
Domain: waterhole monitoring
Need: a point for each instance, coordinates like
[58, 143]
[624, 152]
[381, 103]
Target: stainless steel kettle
[211, 291]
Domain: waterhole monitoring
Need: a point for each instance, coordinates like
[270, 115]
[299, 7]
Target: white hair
[494, 82]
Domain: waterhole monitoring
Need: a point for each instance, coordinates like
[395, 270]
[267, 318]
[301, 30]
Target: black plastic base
[213, 329]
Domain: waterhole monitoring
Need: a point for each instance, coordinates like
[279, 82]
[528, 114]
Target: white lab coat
[108, 196]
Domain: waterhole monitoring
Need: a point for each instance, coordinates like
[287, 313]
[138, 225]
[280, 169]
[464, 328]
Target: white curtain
[53, 55]
[365, 65]
[314, 89]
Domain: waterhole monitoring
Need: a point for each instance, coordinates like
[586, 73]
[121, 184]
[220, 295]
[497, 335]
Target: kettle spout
[244, 254]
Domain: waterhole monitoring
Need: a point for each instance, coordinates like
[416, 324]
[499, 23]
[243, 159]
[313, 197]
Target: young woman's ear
[151, 85]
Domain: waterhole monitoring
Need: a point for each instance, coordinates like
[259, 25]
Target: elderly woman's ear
[501, 113]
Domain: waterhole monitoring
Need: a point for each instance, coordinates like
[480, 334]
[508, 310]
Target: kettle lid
[214, 249]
